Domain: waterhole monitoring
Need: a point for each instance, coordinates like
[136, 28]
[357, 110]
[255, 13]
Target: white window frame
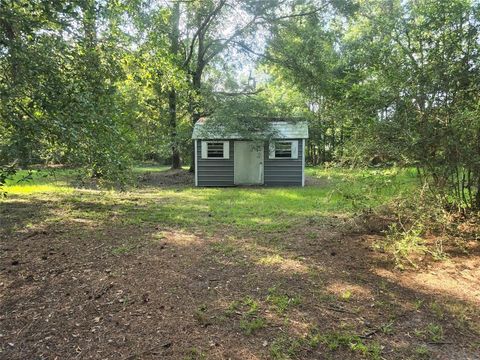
[294, 149]
[226, 149]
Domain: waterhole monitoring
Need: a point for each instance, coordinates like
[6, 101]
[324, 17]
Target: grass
[251, 226]
[432, 332]
[250, 326]
[149, 167]
[248, 308]
[281, 301]
[266, 209]
[285, 347]
[422, 352]
[123, 249]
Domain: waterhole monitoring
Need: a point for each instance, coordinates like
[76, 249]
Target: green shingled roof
[282, 129]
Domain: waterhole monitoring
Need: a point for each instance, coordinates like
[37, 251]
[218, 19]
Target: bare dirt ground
[78, 290]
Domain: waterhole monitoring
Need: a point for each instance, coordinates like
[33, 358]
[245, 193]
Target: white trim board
[196, 163]
[303, 162]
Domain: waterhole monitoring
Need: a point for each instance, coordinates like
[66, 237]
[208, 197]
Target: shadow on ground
[94, 279]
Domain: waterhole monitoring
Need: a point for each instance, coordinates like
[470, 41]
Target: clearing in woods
[169, 271]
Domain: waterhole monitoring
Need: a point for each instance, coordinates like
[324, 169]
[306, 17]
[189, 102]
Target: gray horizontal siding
[277, 172]
[214, 172]
[283, 172]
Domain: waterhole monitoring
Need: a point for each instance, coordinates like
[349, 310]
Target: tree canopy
[99, 85]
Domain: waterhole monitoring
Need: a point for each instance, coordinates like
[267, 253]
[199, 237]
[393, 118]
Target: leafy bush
[5, 173]
[423, 214]
[403, 242]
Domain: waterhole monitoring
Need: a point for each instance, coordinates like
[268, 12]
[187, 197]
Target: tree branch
[300, 14]
[203, 26]
[229, 40]
[249, 50]
[240, 93]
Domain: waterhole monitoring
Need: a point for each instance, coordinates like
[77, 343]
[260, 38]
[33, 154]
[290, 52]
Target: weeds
[410, 218]
[123, 249]
[418, 304]
[437, 309]
[248, 309]
[200, 315]
[224, 248]
[346, 295]
[288, 347]
[284, 347]
[402, 242]
[435, 332]
[250, 326]
[432, 332]
[422, 352]
[281, 301]
[387, 328]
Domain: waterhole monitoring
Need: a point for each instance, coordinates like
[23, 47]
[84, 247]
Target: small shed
[225, 158]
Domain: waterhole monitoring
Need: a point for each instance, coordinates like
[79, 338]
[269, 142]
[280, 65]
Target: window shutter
[294, 149]
[226, 149]
[271, 150]
[204, 150]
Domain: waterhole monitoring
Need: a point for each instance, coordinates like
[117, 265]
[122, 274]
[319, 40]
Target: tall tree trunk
[172, 108]
[195, 114]
[172, 96]
[197, 85]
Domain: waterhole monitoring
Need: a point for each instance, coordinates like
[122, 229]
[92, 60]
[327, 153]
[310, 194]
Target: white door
[248, 163]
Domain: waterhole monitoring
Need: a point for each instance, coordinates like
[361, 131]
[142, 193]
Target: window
[215, 149]
[284, 149]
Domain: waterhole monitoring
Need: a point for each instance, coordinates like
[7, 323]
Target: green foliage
[379, 94]
[200, 315]
[59, 98]
[6, 172]
[123, 249]
[248, 308]
[337, 340]
[403, 242]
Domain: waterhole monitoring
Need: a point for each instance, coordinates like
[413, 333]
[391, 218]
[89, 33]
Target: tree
[172, 96]
[59, 96]
[396, 81]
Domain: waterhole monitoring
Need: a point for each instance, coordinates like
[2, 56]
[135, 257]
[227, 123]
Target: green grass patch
[123, 249]
[26, 182]
[432, 332]
[287, 347]
[260, 209]
[281, 301]
[248, 310]
[147, 167]
[250, 326]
